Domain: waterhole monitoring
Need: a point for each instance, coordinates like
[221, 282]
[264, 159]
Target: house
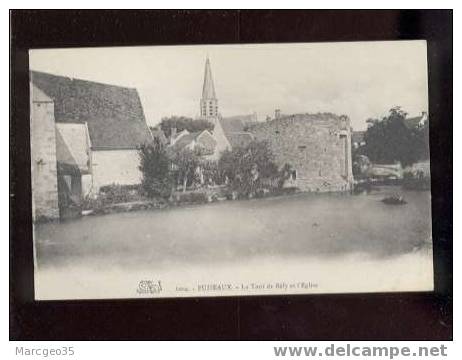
[316, 146]
[202, 142]
[235, 128]
[357, 139]
[416, 121]
[159, 135]
[75, 121]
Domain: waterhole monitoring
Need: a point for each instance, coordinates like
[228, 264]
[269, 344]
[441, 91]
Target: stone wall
[317, 146]
[43, 161]
[115, 167]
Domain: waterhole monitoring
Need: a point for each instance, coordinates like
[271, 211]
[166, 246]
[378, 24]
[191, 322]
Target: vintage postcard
[230, 170]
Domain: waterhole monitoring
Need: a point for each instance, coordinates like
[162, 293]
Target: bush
[155, 167]
[120, 193]
[113, 194]
[191, 198]
[416, 180]
[246, 168]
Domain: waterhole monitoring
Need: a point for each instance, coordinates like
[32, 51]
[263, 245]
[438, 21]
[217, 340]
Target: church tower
[209, 102]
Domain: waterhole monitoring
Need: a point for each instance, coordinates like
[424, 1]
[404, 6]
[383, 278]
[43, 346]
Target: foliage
[192, 198]
[116, 193]
[246, 168]
[181, 123]
[389, 140]
[211, 172]
[416, 180]
[155, 169]
[112, 194]
[361, 165]
[186, 164]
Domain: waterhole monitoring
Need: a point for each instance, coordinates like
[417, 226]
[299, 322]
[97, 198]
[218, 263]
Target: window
[302, 147]
[293, 175]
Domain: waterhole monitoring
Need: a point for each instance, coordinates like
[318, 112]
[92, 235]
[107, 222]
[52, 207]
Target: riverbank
[206, 196]
[178, 199]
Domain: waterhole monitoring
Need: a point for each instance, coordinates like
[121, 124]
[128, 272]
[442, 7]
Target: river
[338, 242]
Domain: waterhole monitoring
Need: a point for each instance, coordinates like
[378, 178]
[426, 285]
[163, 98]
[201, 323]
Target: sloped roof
[114, 114]
[235, 129]
[72, 146]
[186, 140]
[178, 135]
[238, 123]
[159, 134]
[65, 159]
[239, 139]
[38, 95]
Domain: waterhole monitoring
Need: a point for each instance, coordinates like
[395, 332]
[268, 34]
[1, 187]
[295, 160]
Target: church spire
[209, 102]
[208, 90]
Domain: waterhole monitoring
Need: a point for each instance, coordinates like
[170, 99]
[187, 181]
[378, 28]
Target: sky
[359, 79]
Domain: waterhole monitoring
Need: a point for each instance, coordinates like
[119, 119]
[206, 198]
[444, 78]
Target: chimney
[277, 113]
[172, 135]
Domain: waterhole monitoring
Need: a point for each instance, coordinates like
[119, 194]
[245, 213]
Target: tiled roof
[239, 139]
[114, 114]
[38, 95]
[235, 129]
[238, 123]
[186, 140]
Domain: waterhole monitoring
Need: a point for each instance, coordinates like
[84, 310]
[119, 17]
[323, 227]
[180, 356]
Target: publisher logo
[149, 287]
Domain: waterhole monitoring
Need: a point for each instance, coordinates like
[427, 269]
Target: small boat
[394, 200]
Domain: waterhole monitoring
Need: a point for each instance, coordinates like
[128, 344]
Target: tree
[184, 123]
[389, 140]
[245, 168]
[186, 164]
[155, 170]
[211, 172]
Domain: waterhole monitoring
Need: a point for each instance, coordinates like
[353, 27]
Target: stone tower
[209, 102]
[43, 156]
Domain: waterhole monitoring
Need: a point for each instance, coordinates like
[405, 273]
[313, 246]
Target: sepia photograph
[230, 170]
